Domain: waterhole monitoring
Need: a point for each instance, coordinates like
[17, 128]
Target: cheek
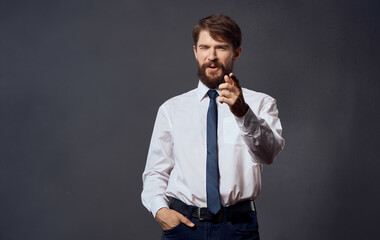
[227, 63]
[203, 57]
[227, 58]
[200, 58]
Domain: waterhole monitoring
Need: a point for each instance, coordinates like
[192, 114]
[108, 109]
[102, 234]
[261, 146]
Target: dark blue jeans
[215, 231]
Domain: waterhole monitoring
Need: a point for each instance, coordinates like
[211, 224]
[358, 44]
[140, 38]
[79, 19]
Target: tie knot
[212, 94]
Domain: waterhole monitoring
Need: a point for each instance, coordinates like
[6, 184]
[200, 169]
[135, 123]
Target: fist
[232, 95]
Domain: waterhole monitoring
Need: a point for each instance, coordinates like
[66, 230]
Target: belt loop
[171, 200]
[254, 205]
[190, 212]
[200, 214]
[224, 214]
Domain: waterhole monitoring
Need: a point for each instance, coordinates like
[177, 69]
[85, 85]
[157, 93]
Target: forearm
[262, 135]
[152, 196]
[159, 164]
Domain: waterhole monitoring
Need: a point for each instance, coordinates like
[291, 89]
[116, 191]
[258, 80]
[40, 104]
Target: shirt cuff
[249, 123]
[157, 204]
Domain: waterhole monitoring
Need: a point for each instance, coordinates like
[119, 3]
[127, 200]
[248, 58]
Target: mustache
[214, 64]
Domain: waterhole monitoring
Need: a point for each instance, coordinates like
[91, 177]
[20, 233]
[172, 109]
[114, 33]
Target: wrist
[241, 110]
[161, 212]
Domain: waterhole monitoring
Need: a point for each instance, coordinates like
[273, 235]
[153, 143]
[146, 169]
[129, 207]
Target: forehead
[206, 39]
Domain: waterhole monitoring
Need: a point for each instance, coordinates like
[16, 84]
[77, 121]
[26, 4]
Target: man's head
[217, 44]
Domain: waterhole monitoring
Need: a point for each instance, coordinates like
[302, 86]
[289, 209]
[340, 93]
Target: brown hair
[220, 27]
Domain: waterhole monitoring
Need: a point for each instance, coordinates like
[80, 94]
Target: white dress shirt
[176, 162]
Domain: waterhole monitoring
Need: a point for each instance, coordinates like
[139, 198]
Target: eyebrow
[203, 45]
[223, 45]
[217, 46]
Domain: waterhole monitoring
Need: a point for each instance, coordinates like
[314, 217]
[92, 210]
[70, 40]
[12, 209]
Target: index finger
[186, 221]
[228, 80]
[235, 79]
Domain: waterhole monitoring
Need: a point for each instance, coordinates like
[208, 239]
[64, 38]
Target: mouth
[212, 68]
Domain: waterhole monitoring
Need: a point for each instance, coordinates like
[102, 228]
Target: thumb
[186, 221]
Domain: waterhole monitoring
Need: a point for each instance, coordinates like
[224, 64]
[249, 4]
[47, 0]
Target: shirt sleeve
[159, 164]
[262, 133]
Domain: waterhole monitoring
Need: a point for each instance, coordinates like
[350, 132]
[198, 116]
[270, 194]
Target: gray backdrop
[81, 82]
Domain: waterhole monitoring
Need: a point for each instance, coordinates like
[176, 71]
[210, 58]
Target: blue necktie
[212, 175]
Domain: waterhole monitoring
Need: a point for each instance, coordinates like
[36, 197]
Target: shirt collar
[202, 91]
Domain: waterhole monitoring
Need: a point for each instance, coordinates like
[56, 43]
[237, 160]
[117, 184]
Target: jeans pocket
[173, 229]
[249, 229]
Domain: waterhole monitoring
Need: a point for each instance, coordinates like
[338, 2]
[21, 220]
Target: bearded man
[203, 170]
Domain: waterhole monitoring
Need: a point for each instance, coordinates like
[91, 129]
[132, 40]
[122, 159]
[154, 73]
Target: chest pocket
[231, 132]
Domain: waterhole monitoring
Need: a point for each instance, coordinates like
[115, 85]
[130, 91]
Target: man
[208, 145]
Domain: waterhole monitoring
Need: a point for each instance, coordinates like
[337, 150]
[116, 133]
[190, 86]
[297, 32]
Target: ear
[195, 51]
[237, 53]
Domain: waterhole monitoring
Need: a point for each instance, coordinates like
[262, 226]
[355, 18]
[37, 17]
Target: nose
[212, 55]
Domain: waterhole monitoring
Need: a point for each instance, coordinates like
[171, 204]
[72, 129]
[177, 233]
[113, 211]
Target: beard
[213, 80]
